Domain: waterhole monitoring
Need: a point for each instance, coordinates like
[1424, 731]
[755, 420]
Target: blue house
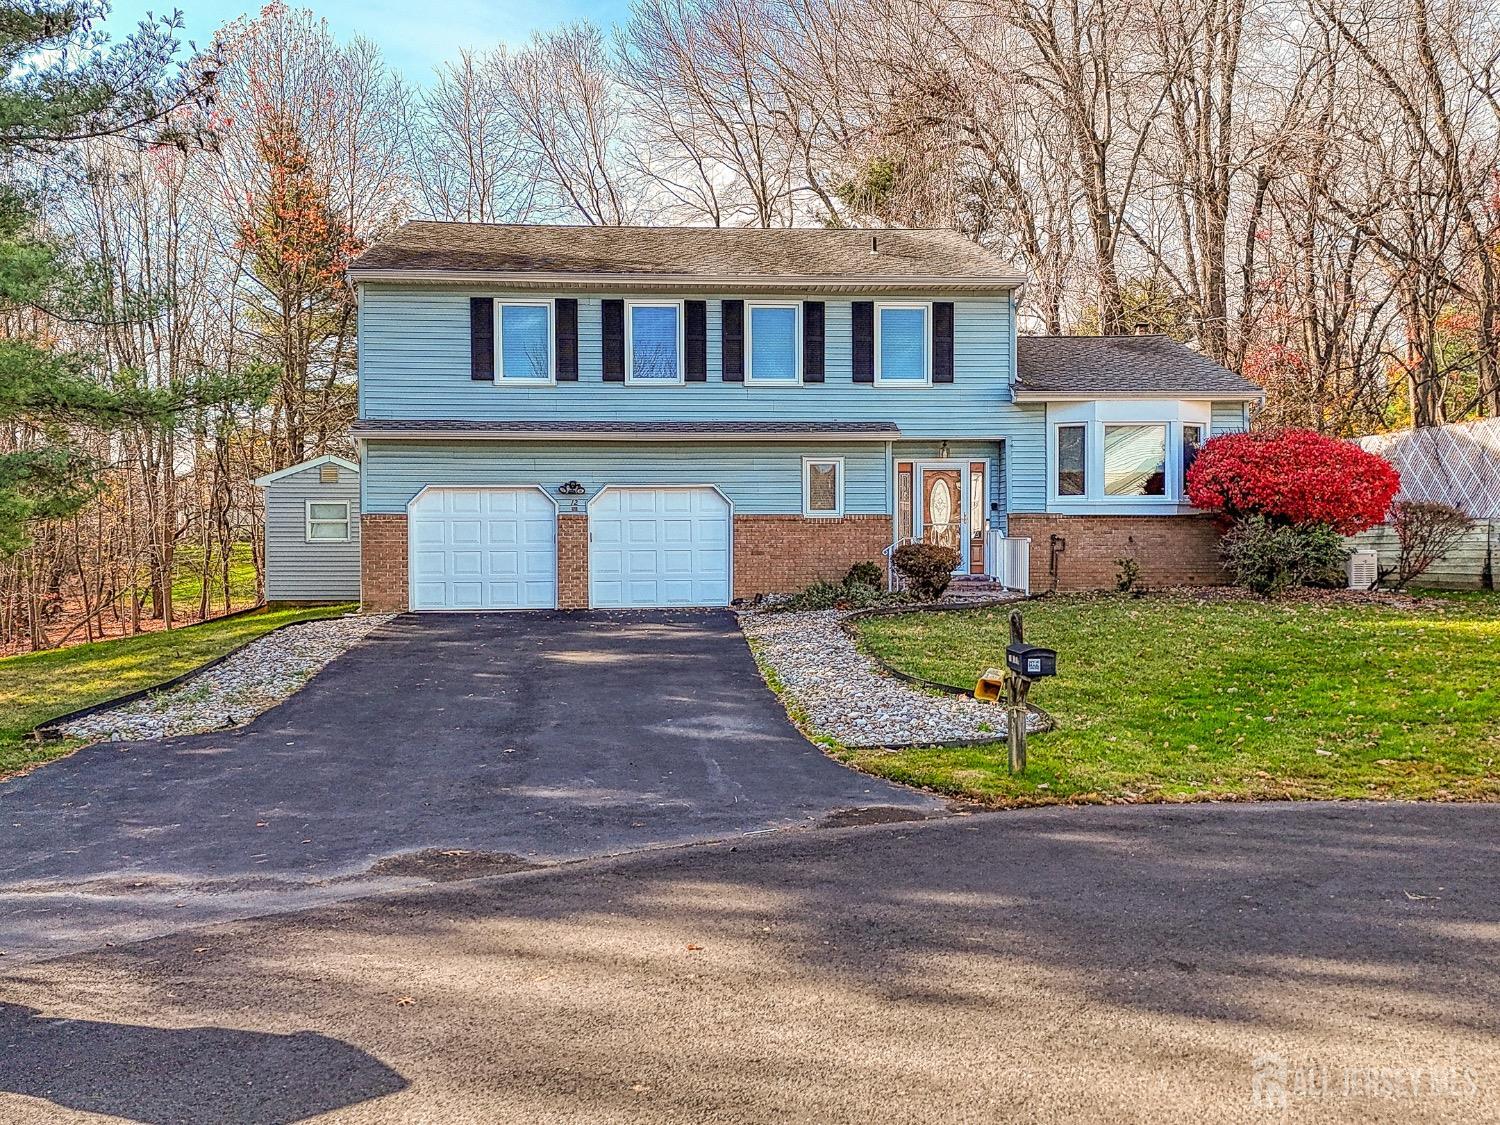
[624, 417]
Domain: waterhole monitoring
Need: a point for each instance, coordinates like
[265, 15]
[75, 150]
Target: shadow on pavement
[187, 1074]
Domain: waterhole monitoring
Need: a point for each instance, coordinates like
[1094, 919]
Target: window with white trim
[771, 343]
[1135, 459]
[328, 521]
[1194, 434]
[823, 487]
[903, 343]
[653, 341]
[1072, 460]
[523, 341]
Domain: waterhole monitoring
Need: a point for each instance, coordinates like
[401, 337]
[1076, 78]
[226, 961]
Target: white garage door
[483, 548]
[658, 547]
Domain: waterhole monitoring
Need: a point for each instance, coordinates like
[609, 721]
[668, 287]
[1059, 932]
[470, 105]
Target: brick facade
[779, 554]
[1171, 550]
[382, 579]
[572, 560]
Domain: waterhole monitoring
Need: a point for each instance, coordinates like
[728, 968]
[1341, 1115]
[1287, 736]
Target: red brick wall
[572, 560]
[1171, 550]
[779, 554]
[382, 562]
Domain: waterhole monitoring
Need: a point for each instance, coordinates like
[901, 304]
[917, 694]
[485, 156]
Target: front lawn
[1175, 698]
[39, 686]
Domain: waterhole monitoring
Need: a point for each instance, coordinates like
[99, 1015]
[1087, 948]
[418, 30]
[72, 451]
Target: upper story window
[1135, 460]
[653, 343]
[903, 352]
[772, 344]
[523, 341]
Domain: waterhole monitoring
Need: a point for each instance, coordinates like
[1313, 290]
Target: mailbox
[1031, 661]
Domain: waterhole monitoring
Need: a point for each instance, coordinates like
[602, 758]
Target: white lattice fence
[1457, 464]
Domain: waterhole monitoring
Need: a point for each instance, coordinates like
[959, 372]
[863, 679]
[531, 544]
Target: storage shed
[312, 531]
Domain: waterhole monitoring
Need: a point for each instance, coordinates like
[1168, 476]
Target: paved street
[1094, 964]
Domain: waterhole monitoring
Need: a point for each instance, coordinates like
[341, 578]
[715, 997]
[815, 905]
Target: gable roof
[735, 257]
[326, 459]
[1155, 366]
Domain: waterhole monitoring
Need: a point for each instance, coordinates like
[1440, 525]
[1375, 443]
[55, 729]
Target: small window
[654, 346]
[823, 487]
[328, 521]
[772, 344]
[523, 342]
[1192, 443]
[1135, 460]
[902, 353]
[1072, 460]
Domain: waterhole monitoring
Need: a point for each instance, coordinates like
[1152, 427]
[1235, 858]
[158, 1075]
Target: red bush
[1293, 477]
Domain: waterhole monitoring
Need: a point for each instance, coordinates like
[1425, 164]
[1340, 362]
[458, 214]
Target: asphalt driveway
[442, 747]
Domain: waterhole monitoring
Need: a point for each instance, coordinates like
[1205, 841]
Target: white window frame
[796, 379]
[308, 521]
[926, 380]
[1167, 489]
[1054, 460]
[630, 306]
[525, 380]
[1094, 415]
[838, 511]
[1181, 435]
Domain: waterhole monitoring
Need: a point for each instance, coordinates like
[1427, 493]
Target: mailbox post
[1023, 664]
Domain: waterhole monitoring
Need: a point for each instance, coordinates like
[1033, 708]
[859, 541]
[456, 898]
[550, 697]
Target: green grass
[187, 585]
[1171, 698]
[39, 686]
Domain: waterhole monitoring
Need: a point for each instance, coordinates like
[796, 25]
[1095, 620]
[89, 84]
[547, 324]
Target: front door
[943, 508]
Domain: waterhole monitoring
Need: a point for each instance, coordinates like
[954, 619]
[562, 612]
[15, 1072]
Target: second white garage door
[483, 548]
[658, 547]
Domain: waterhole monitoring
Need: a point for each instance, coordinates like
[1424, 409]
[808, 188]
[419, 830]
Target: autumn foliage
[1293, 477]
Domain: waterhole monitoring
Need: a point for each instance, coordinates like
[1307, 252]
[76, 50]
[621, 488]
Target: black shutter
[812, 341]
[613, 314]
[695, 331]
[482, 338]
[863, 313]
[942, 341]
[733, 339]
[565, 339]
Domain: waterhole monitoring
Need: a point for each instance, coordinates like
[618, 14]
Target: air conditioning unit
[1364, 570]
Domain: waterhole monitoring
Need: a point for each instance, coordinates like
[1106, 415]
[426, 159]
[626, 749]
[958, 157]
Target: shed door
[483, 548]
[658, 547]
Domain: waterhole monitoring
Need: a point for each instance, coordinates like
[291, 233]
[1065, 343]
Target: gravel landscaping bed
[252, 680]
[847, 697]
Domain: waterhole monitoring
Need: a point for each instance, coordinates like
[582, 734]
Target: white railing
[1008, 561]
[895, 583]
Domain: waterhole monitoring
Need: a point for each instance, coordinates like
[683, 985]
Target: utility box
[1363, 569]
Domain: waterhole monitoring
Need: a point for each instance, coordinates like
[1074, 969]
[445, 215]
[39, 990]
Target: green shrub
[833, 595]
[1128, 575]
[1268, 558]
[865, 574]
[926, 567]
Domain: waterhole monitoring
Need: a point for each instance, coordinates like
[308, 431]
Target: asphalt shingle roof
[1105, 366]
[376, 426]
[737, 253]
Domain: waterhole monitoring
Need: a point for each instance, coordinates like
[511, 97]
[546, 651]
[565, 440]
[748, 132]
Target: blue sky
[415, 35]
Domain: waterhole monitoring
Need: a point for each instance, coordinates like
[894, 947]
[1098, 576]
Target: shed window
[655, 345]
[823, 487]
[1135, 460]
[901, 344]
[328, 521]
[773, 344]
[523, 342]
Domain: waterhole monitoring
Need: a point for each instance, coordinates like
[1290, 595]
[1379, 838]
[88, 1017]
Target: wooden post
[1017, 687]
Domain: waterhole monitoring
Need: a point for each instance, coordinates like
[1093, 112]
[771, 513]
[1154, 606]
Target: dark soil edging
[50, 732]
[849, 621]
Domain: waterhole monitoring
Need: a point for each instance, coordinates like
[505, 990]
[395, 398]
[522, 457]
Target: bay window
[1072, 460]
[1135, 460]
[1126, 456]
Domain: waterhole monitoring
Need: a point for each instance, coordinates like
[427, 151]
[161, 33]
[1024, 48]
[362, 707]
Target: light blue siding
[299, 569]
[1026, 459]
[1229, 418]
[414, 363]
[759, 478]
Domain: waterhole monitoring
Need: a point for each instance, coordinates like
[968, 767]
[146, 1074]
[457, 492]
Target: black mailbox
[1031, 661]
